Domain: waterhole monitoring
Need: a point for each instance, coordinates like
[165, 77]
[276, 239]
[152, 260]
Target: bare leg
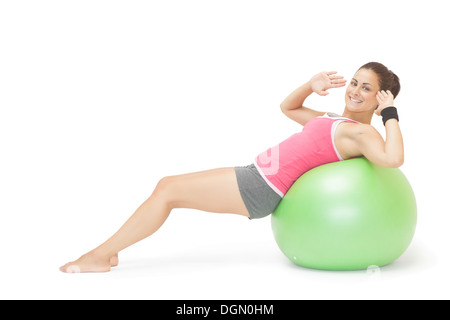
[213, 191]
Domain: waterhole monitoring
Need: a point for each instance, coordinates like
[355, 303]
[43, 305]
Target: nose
[355, 91]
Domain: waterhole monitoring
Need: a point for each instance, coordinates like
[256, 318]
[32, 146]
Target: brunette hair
[386, 78]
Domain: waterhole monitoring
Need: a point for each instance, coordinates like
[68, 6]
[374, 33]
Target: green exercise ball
[346, 215]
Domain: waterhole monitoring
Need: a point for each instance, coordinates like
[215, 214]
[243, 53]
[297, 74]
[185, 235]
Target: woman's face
[361, 92]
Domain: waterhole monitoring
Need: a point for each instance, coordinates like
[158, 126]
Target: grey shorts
[258, 196]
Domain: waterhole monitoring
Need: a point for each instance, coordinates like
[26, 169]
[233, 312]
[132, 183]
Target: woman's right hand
[323, 81]
[385, 99]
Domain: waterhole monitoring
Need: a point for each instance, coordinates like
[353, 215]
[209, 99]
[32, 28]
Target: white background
[100, 99]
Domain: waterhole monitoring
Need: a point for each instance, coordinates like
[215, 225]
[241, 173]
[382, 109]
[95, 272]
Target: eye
[366, 88]
[353, 83]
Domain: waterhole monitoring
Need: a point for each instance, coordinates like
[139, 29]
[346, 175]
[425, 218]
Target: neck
[363, 117]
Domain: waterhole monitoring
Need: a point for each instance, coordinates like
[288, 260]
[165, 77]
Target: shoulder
[361, 136]
[357, 130]
[351, 138]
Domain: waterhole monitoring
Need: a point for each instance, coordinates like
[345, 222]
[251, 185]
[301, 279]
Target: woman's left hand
[385, 99]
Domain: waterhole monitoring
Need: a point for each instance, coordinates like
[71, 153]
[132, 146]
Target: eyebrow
[363, 83]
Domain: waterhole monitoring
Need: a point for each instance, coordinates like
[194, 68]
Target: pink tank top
[283, 164]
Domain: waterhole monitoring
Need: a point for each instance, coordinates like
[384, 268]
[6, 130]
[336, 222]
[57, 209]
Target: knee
[164, 189]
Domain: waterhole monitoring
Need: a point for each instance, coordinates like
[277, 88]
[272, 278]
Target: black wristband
[389, 113]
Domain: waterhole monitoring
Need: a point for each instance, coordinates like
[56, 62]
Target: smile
[354, 100]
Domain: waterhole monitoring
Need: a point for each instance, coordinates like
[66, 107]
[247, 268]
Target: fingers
[385, 99]
[379, 100]
[380, 97]
[330, 79]
[335, 77]
[383, 93]
[336, 81]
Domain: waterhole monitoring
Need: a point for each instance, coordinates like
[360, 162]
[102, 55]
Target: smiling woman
[368, 93]
[372, 91]
[361, 93]
[256, 190]
[369, 80]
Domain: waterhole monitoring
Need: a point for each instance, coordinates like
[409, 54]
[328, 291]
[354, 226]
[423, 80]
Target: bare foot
[88, 263]
[114, 261]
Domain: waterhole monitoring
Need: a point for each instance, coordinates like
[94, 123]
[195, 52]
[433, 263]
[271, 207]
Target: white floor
[220, 258]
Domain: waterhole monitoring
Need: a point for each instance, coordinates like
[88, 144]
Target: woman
[254, 191]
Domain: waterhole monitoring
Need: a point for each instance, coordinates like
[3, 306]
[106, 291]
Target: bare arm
[389, 153]
[293, 107]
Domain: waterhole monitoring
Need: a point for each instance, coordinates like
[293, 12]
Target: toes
[73, 269]
[70, 268]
